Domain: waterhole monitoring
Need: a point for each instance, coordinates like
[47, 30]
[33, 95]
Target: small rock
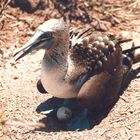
[15, 77]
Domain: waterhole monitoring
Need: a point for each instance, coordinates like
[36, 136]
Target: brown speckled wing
[91, 52]
[102, 89]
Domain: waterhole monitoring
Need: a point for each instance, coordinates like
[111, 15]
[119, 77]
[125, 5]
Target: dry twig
[3, 5]
[3, 127]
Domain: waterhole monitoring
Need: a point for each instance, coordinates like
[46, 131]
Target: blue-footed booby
[80, 63]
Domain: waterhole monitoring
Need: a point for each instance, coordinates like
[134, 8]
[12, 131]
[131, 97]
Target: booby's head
[51, 35]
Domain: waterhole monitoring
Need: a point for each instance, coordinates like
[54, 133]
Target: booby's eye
[46, 35]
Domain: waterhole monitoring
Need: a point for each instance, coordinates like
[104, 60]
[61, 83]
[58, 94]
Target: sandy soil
[19, 97]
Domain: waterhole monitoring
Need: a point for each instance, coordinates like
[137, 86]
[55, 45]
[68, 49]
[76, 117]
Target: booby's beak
[39, 40]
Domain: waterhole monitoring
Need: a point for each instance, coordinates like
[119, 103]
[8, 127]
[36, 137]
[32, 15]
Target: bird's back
[97, 67]
[91, 52]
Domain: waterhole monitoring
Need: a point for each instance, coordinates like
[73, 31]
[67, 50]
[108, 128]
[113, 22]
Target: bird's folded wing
[90, 52]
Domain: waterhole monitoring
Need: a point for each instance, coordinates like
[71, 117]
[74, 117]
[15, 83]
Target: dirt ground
[19, 97]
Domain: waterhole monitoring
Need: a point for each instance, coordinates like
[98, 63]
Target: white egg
[64, 113]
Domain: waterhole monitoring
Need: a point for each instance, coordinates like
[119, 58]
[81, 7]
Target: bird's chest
[52, 78]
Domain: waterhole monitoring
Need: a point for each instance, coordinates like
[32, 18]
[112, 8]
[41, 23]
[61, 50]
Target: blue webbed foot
[79, 121]
[49, 106]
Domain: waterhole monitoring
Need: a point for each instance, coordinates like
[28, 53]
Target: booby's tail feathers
[131, 56]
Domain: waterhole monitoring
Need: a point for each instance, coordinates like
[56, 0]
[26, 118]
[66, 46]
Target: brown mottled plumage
[82, 64]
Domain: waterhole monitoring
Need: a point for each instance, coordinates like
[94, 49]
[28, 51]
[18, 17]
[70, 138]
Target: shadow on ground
[53, 125]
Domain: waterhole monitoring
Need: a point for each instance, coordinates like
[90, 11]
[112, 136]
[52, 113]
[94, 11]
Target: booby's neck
[55, 59]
